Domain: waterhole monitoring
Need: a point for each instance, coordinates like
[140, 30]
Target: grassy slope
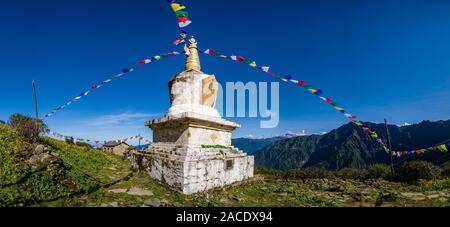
[101, 166]
[11, 146]
[23, 184]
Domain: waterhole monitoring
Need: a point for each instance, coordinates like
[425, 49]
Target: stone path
[133, 191]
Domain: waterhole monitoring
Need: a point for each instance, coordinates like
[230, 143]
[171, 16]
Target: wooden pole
[36, 108]
[388, 135]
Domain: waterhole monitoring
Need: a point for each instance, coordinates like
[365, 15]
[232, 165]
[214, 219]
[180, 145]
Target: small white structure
[192, 149]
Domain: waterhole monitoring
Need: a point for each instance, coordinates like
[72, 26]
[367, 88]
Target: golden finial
[192, 41]
[193, 60]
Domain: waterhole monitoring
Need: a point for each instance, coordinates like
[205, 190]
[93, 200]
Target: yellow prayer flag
[177, 7]
[157, 57]
[253, 64]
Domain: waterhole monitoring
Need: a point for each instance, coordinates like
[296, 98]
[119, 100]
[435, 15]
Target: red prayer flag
[301, 83]
[183, 19]
[240, 59]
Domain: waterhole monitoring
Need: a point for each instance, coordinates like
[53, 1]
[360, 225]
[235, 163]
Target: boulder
[39, 149]
[118, 191]
[153, 202]
[139, 192]
[45, 158]
[284, 194]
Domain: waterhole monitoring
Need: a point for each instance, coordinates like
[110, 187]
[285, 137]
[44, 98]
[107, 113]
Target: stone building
[191, 150]
[120, 149]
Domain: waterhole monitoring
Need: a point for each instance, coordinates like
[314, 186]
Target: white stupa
[192, 149]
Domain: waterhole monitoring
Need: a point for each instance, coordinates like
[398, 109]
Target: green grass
[12, 149]
[104, 167]
[212, 146]
[84, 170]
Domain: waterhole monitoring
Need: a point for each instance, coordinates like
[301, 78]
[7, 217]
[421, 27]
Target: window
[229, 164]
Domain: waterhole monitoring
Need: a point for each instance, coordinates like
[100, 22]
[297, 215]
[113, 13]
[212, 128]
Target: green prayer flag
[182, 14]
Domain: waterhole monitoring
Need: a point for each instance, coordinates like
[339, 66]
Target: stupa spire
[193, 60]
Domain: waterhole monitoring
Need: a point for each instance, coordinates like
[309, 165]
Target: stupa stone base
[191, 170]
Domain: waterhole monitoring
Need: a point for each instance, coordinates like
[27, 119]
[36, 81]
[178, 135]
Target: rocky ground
[266, 191]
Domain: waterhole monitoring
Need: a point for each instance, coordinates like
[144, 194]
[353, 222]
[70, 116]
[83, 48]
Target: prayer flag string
[96, 142]
[182, 19]
[183, 22]
[109, 80]
[288, 78]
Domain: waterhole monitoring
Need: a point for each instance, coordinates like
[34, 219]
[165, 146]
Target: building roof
[114, 144]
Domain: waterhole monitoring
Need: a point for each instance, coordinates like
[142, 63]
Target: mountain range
[252, 145]
[347, 146]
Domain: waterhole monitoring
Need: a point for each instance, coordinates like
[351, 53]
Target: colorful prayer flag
[177, 7]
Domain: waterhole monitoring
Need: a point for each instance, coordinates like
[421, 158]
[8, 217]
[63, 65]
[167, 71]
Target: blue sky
[377, 58]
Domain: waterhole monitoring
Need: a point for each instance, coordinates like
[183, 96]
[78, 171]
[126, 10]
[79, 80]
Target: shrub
[378, 171]
[213, 146]
[446, 169]
[413, 171]
[69, 140]
[26, 127]
[307, 173]
[83, 144]
[352, 173]
[267, 171]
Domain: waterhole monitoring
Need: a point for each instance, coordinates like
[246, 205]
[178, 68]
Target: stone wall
[190, 172]
[121, 150]
[192, 136]
[208, 174]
